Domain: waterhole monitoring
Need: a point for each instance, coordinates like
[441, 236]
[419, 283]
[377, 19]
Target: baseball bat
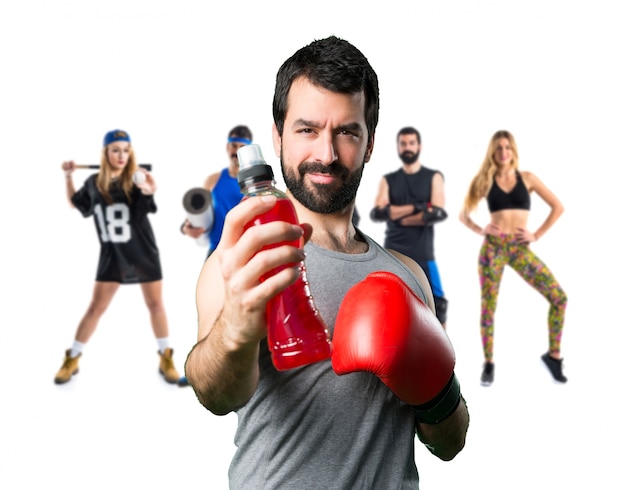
[147, 166]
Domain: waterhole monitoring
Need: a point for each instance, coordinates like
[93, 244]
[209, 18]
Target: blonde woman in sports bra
[507, 241]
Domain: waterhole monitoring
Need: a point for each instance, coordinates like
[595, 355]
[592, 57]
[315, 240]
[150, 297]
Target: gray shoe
[555, 366]
[487, 377]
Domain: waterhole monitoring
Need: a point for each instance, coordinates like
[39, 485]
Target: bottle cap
[250, 155]
[252, 166]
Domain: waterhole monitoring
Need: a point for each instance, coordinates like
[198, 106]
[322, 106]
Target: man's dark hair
[333, 64]
[240, 132]
[410, 130]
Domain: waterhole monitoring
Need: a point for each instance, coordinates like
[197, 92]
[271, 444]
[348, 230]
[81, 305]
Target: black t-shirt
[128, 250]
[416, 242]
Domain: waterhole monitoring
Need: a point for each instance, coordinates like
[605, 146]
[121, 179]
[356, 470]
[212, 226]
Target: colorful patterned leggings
[495, 253]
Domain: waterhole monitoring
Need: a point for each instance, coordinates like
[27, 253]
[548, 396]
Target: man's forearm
[400, 212]
[223, 379]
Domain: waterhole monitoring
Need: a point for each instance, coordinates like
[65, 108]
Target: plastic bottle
[296, 333]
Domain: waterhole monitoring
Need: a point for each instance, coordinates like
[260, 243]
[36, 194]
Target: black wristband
[434, 215]
[380, 214]
[442, 406]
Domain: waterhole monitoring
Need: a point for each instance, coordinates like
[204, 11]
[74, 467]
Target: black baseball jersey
[128, 250]
[416, 242]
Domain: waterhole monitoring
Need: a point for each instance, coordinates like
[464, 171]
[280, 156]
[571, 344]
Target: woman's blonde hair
[482, 181]
[126, 179]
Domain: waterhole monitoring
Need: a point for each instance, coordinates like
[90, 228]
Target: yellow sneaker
[166, 366]
[68, 369]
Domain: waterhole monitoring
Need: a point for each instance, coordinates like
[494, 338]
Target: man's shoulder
[213, 178]
[393, 173]
[429, 171]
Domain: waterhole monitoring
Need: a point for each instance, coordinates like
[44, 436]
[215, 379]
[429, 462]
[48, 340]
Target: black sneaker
[555, 366]
[487, 377]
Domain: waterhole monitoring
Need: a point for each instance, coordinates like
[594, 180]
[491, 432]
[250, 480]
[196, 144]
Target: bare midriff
[509, 220]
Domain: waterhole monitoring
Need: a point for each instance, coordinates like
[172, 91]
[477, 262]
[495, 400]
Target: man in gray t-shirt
[341, 422]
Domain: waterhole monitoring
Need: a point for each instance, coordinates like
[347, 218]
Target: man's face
[324, 146]
[408, 148]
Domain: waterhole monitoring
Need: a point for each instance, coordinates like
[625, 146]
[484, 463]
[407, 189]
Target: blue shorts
[432, 273]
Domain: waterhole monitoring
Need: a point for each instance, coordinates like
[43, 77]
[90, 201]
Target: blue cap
[116, 135]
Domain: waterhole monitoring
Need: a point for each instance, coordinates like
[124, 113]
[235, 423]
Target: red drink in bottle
[296, 333]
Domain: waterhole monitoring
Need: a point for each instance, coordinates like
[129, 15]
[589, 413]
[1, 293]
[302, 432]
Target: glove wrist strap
[442, 406]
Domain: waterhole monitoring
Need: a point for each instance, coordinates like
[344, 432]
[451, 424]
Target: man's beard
[408, 157]
[327, 198]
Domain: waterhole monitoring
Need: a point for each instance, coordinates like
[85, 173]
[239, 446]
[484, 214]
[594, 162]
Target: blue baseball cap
[116, 135]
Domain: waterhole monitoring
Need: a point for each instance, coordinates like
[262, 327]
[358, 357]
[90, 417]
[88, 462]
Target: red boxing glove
[382, 327]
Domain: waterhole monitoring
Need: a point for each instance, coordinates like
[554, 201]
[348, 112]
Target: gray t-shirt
[308, 428]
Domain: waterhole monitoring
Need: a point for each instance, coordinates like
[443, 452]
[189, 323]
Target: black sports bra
[518, 198]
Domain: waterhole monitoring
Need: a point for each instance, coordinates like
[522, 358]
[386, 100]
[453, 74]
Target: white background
[177, 75]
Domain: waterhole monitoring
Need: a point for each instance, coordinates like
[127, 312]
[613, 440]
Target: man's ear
[276, 139]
